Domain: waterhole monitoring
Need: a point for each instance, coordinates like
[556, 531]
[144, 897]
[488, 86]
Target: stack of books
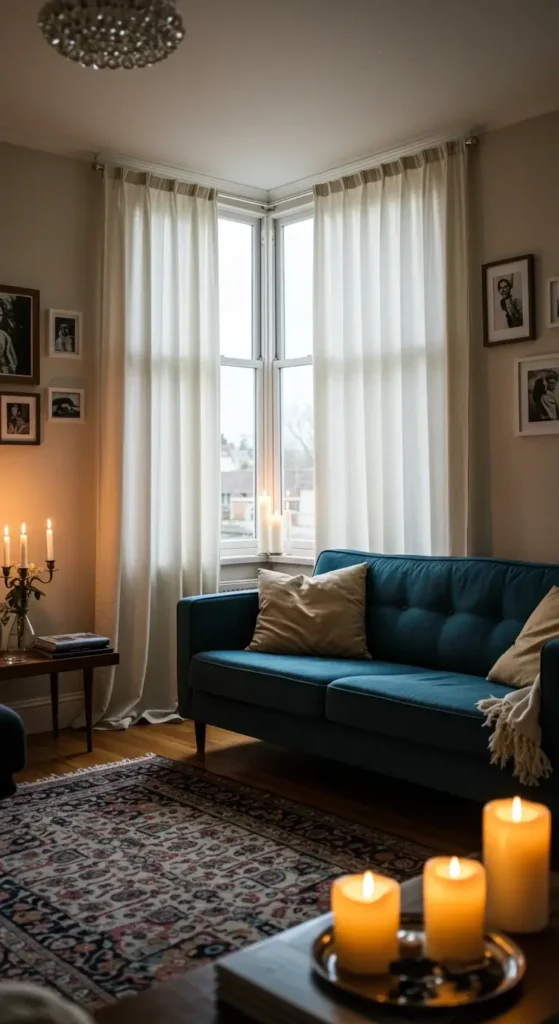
[64, 645]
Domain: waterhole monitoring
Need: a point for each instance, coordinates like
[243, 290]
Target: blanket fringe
[507, 743]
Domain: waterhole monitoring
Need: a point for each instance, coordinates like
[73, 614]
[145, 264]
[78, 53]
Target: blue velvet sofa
[435, 626]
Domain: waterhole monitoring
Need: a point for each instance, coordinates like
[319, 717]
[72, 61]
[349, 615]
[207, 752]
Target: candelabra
[21, 586]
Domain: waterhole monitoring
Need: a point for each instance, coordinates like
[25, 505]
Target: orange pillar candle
[454, 908]
[366, 921]
[516, 853]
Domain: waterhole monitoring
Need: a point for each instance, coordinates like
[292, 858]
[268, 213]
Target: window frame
[268, 360]
[249, 545]
[280, 362]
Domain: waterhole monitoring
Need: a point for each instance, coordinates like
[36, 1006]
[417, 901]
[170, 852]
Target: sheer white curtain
[391, 339]
[158, 516]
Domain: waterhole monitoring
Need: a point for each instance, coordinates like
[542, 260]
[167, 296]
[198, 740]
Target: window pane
[235, 288]
[238, 409]
[298, 288]
[297, 436]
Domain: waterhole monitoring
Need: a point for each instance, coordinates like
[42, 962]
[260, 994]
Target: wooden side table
[36, 664]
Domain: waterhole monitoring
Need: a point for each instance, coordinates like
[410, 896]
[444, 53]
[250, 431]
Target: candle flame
[6, 531]
[49, 527]
[23, 529]
[368, 885]
[517, 809]
[454, 869]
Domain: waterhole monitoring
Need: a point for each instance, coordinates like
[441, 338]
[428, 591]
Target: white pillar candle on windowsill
[516, 854]
[50, 542]
[276, 534]
[287, 530]
[366, 912]
[454, 894]
[263, 523]
[23, 547]
[7, 558]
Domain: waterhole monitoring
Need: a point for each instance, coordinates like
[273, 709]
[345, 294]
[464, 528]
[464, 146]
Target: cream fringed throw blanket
[516, 718]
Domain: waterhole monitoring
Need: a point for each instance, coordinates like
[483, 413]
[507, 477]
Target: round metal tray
[414, 981]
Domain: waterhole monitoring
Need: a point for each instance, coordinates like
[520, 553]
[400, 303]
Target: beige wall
[48, 225]
[516, 209]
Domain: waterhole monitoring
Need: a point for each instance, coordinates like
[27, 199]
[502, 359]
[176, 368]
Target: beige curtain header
[395, 167]
[149, 180]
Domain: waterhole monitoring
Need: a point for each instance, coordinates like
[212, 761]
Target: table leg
[88, 697]
[54, 702]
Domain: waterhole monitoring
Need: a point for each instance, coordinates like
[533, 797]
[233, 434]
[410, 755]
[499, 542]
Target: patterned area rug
[135, 872]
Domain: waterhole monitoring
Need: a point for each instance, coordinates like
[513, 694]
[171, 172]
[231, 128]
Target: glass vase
[20, 639]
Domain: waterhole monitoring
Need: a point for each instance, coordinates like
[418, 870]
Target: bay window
[266, 273]
[294, 385]
[239, 317]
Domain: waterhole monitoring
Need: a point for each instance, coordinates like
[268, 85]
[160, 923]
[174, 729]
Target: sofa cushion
[434, 708]
[448, 614]
[285, 682]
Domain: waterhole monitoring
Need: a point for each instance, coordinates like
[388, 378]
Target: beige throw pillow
[321, 615]
[520, 664]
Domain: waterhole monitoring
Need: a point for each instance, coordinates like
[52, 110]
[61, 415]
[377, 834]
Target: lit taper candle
[7, 558]
[50, 542]
[23, 547]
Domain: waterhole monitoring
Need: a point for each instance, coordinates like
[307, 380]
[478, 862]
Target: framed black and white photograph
[508, 301]
[20, 418]
[19, 335]
[538, 395]
[65, 334]
[66, 405]
[552, 301]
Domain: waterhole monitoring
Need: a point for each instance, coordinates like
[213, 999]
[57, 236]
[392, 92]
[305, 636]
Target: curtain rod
[470, 140]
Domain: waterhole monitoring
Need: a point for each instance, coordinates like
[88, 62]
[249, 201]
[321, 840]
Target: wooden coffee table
[38, 665]
[192, 999]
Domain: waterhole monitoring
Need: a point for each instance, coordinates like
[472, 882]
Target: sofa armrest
[549, 711]
[213, 622]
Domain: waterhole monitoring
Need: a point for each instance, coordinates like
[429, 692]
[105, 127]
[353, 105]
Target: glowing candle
[454, 893]
[516, 853]
[366, 912]
[50, 542]
[287, 523]
[7, 559]
[276, 534]
[23, 548]
[264, 514]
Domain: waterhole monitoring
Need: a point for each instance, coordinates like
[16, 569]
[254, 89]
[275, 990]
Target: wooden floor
[443, 823]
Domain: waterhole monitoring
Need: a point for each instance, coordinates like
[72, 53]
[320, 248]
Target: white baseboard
[36, 711]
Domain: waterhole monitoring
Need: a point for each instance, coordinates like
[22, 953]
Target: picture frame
[552, 301]
[20, 418]
[66, 405]
[65, 334]
[509, 309]
[537, 398]
[20, 361]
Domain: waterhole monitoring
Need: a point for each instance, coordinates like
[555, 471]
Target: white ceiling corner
[264, 94]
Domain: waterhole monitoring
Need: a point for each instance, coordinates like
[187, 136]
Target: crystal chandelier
[112, 33]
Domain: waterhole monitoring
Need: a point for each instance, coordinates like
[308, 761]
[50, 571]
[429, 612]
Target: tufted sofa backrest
[456, 614]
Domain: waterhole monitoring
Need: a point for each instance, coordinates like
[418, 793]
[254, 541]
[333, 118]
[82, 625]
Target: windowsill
[291, 559]
[243, 559]
[267, 559]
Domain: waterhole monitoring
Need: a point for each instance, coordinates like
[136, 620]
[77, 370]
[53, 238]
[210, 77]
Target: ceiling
[264, 93]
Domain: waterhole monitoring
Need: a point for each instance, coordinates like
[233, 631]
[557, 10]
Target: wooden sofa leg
[200, 732]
